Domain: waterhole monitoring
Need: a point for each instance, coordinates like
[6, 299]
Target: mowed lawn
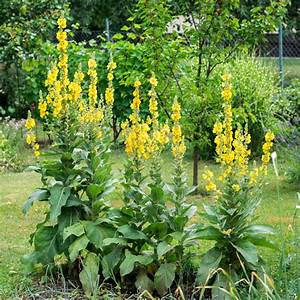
[15, 228]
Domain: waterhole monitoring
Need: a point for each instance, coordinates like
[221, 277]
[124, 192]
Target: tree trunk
[196, 156]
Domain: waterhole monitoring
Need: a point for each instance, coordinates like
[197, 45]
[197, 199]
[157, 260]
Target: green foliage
[255, 102]
[19, 23]
[11, 145]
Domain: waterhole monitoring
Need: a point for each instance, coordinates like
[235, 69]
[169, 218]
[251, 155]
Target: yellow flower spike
[176, 110]
[93, 82]
[109, 92]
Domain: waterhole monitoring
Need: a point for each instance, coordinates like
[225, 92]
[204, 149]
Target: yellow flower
[62, 23]
[37, 153]
[42, 108]
[210, 187]
[226, 77]
[92, 63]
[110, 76]
[30, 123]
[176, 111]
[36, 146]
[218, 128]
[111, 65]
[227, 93]
[30, 138]
[236, 187]
[153, 81]
[137, 84]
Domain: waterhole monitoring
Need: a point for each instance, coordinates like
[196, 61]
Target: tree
[213, 31]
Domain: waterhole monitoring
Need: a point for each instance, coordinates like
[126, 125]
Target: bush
[11, 145]
[255, 101]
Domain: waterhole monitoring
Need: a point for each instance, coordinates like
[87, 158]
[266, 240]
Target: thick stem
[196, 156]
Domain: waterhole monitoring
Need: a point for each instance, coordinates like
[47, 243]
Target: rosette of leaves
[75, 186]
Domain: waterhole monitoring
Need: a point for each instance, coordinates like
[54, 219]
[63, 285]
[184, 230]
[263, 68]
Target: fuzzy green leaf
[58, 198]
[89, 277]
[78, 245]
[163, 248]
[76, 229]
[209, 262]
[109, 261]
[38, 195]
[130, 260]
[248, 251]
[164, 277]
[143, 282]
[131, 233]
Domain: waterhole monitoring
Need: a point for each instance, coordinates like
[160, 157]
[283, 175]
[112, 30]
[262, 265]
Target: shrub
[255, 102]
[11, 145]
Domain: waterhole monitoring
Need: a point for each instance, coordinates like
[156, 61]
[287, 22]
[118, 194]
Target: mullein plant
[77, 180]
[151, 235]
[237, 195]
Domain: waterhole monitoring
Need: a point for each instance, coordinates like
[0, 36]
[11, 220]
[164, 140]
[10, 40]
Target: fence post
[280, 41]
[107, 29]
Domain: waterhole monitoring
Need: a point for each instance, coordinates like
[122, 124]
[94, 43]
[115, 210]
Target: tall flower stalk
[236, 191]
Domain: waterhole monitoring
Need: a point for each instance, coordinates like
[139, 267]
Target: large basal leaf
[116, 241]
[143, 282]
[38, 195]
[109, 262]
[89, 277]
[209, 263]
[46, 242]
[164, 277]
[76, 229]
[97, 233]
[78, 245]
[130, 260]
[248, 251]
[131, 233]
[58, 198]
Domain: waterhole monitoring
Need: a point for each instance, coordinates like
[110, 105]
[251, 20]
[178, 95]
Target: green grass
[291, 67]
[15, 228]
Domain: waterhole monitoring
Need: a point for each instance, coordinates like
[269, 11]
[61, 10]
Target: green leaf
[163, 248]
[93, 190]
[130, 260]
[78, 245]
[209, 262]
[58, 198]
[97, 233]
[131, 233]
[76, 229]
[259, 229]
[89, 277]
[261, 241]
[117, 241]
[164, 277]
[38, 195]
[143, 282]
[46, 242]
[210, 233]
[109, 262]
[248, 251]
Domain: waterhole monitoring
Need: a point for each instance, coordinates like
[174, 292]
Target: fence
[290, 45]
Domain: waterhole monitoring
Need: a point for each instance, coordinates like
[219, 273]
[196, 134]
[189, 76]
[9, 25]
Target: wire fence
[290, 45]
[268, 48]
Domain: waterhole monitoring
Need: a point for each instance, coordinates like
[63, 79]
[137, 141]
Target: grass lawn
[15, 228]
[291, 67]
